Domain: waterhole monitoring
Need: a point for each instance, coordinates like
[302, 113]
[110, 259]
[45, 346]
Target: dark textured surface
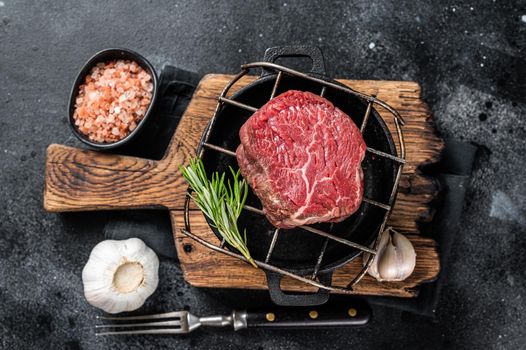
[469, 58]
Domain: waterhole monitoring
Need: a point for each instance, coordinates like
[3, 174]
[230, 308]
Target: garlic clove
[389, 263]
[120, 275]
[404, 255]
[395, 259]
[373, 268]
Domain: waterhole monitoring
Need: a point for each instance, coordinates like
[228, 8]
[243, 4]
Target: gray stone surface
[469, 58]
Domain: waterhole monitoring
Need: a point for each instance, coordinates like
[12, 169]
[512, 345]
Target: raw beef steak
[302, 157]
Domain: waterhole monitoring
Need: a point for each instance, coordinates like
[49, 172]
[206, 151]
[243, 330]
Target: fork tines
[175, 326]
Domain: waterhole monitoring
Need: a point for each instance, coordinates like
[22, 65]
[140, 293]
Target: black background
[469, 58]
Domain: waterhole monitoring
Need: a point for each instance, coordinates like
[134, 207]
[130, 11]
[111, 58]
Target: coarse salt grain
[112, 100]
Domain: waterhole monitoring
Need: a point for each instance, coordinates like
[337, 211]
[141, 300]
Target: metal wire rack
[399, 160]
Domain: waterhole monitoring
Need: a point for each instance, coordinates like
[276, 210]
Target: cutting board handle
[81, 180]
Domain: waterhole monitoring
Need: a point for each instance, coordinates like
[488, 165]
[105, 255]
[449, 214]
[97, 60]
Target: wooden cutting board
[79, 180]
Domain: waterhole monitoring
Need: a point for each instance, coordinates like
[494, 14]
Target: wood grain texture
[85, 180]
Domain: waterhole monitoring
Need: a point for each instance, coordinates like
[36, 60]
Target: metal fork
[182, 322]
[179, 322]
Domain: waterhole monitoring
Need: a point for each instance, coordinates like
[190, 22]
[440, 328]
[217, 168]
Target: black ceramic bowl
[104, 56]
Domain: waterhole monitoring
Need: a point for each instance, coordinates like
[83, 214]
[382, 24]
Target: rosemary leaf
[221, 203]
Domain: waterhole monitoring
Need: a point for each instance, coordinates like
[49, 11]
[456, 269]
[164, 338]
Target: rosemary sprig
[221, 203]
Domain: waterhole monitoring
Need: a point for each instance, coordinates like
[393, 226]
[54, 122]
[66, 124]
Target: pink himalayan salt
[113, 100]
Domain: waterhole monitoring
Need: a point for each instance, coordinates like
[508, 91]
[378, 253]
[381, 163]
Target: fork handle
[312, 317]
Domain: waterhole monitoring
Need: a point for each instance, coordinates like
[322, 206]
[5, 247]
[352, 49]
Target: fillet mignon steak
[302, 157]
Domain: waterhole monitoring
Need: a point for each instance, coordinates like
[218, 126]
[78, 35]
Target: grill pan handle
[312, 52]
[289, 299]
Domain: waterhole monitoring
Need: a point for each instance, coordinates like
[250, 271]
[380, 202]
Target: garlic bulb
[395, 259]
[120, 275]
